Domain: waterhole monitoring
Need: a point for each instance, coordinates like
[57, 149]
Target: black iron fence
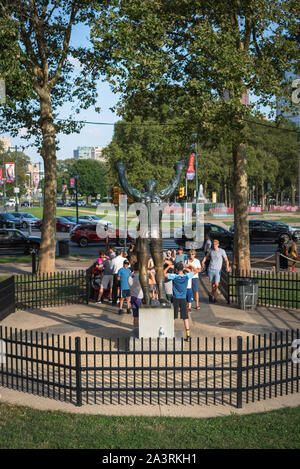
[52, 289]
[7, 297]
[280, 289]
[233, 371]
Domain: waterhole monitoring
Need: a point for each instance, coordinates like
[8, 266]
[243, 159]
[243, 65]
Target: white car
[96, 203]
[10, 203]
[95, 219]
[26, 219]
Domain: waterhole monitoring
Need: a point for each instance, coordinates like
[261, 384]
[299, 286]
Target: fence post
[239, 387]
[277, 257]
[88, 285]
[228, 287]
[78, 371]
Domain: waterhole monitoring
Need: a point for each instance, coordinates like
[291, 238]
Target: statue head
[150, 185]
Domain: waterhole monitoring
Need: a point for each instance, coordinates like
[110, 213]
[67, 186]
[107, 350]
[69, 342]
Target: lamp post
[75, 177]
[16, 189]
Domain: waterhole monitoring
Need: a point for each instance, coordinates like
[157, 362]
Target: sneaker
[187, 339]
[129, 311]
[99, 301]
[121, 311]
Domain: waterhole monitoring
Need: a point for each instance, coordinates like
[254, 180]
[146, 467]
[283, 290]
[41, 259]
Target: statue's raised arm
[170, 189]
[135, 194]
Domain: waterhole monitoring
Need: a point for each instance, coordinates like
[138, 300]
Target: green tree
[91, 177]
[40, 76]
[201, 58]
[148, 148]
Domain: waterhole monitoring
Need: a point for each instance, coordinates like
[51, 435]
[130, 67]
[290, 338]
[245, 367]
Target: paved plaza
[91, 321]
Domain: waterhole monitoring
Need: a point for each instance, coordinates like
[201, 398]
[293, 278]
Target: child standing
[180, 281]
[123, 276]
[136, 293]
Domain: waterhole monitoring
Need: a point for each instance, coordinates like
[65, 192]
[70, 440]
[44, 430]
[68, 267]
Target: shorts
[107, 281]
[180, 304]
[135, 304]
[152, 286]
[195, 285]
[125, 293]
[189, 295]
[214, 275]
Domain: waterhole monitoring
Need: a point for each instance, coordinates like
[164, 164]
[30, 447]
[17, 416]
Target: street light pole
[16, 162]
[76, 197]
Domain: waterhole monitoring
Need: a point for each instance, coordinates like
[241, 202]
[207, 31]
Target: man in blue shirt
[180, 282]
[123, 275]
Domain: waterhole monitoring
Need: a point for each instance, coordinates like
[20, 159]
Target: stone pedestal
[151, 320]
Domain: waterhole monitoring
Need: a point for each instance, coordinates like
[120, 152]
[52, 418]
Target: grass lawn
[23, 427]
[15, 259]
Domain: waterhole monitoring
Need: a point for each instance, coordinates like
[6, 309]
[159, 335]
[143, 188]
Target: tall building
[97, 154]
[6, 143]
[84, 153]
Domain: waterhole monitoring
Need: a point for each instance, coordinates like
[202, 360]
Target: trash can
[63, 248]
[247, 293]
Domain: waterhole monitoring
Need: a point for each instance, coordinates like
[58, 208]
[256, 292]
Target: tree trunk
[262, 196]
[281, 197]
[48, 240]
[241, 254]
[293, 187]
[277, 199]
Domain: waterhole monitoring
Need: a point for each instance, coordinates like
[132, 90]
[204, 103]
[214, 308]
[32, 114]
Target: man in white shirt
[194, 264]
[117, 264]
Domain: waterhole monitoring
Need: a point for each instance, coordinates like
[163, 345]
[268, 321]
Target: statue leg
[142, 260]
[156, 248]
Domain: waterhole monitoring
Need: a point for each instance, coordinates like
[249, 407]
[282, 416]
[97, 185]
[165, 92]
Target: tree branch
[66, 43]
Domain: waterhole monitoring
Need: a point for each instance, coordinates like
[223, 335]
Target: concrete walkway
[93, 320]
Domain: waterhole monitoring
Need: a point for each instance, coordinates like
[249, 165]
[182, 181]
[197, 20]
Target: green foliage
[36, 57]
[148, 149]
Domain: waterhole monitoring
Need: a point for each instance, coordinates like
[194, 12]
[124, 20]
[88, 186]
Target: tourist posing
[215, 256]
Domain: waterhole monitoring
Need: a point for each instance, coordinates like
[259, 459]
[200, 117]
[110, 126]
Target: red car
[87, 234]
[62, 224]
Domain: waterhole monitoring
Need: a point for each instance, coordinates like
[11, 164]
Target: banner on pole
[190, 171]
[10, 172]
[36, 179]
[1, 176]
[72, 183]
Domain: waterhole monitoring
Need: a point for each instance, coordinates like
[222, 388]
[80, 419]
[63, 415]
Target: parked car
[81, 203]
[10, 203]
[16, 240]
[86, 234]
[7, 220]
[59, 203]
[95, 219]
[81, 220]
[25, 204]
[95, 203]
[26, 219]
[62, 224]
[262, 231]
[215, 232]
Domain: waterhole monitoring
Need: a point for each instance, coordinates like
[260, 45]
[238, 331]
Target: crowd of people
[116, 276]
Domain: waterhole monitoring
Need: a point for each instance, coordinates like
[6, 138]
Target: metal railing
[279, 289]
[104, 371]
